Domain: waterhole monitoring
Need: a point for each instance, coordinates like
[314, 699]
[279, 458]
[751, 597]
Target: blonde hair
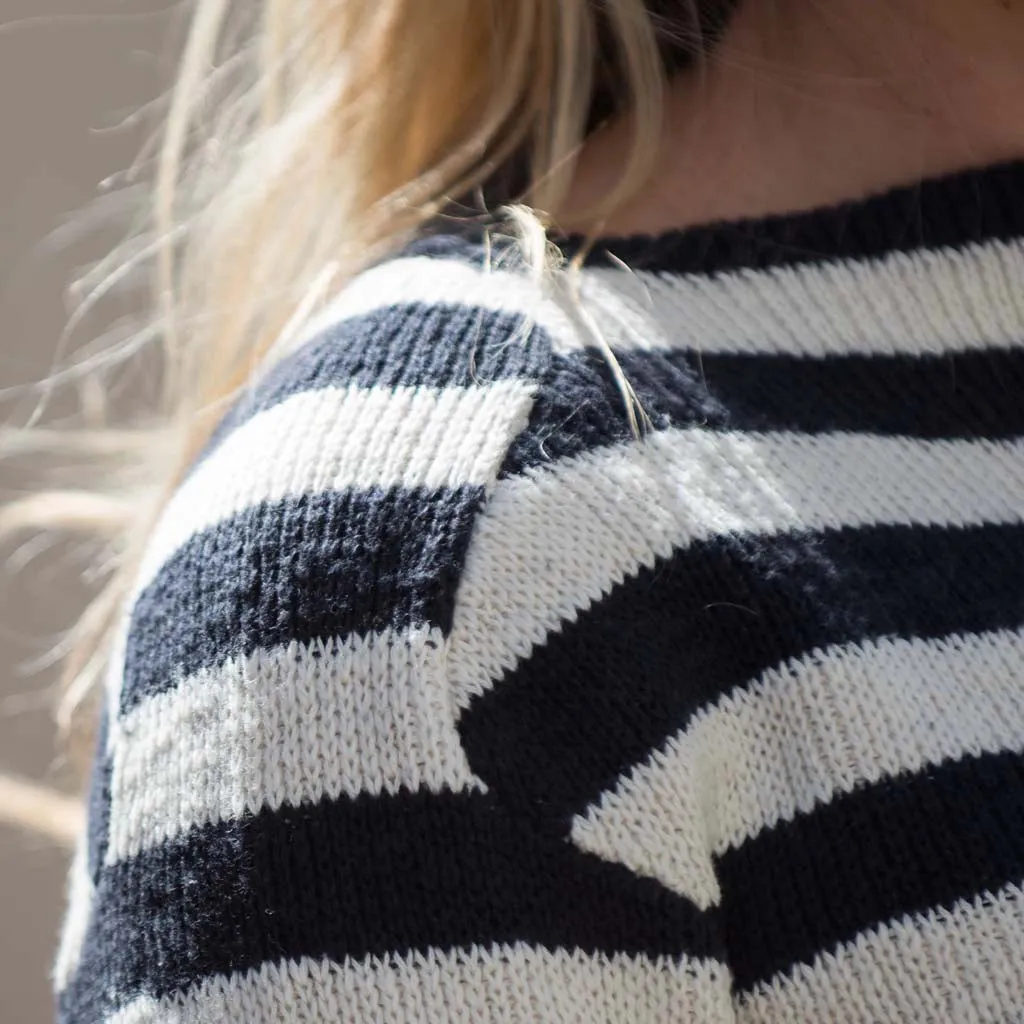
[327, 133]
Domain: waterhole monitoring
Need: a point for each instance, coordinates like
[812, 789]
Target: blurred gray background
[71, 73]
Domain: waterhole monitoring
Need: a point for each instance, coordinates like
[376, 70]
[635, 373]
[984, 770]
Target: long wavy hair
[303, 140]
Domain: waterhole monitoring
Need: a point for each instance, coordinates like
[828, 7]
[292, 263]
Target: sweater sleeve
[301, 811]
[280, 796]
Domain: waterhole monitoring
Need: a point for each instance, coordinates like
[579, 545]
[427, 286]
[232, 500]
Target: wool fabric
[442, 696]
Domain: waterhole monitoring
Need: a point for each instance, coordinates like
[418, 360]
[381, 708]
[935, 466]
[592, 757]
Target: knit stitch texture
[442, 697]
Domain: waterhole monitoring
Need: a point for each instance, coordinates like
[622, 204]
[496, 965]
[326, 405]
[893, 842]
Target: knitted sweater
[442, 696]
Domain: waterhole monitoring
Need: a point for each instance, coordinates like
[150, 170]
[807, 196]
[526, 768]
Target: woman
[601, 600]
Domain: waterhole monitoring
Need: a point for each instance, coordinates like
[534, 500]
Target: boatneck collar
[954, 210]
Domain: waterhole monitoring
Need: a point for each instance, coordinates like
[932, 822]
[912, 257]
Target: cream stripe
[500, 985]
[550, 543]
[896, 304]
[956, 966]
[803, 733]
[330, 440]
[287, 726]
[338, 438]
[434, 282]
[901, 304]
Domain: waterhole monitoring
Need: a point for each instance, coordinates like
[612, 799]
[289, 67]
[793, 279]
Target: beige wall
[69, 69]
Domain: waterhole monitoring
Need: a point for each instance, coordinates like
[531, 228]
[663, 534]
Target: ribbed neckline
[972, 206]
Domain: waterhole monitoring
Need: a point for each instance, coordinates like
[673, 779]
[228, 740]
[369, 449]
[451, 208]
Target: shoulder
[436, 316]
[338, 496]
[462, 338]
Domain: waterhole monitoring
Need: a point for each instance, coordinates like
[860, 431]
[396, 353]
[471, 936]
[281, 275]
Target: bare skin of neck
[808, 103]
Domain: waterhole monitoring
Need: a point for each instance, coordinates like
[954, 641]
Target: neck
[809, 104]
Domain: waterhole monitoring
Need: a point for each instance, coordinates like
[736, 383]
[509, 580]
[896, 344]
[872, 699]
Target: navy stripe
[317, 566]
[904, 846]
[578, 407]
[98, 820]
[966, 395]
[956, 210]
[411, 345]
[366, 877]
[958, 395]
[609, 688]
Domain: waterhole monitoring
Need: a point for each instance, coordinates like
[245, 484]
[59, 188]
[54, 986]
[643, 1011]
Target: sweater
[444, 695]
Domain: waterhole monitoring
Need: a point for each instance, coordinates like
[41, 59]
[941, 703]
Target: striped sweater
[443, 697]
